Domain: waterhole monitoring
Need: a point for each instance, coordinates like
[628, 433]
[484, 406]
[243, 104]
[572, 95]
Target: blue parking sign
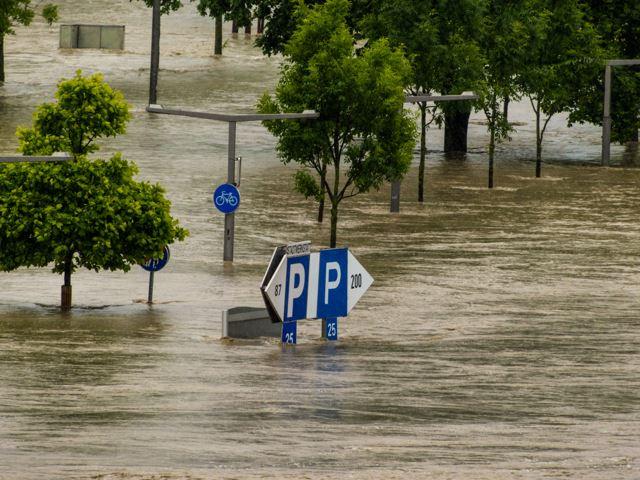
[332, 283]
[325, 284]
[295, 300]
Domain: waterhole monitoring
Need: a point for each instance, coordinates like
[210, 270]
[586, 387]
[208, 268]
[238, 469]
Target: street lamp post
[606, 117]
[232, 120]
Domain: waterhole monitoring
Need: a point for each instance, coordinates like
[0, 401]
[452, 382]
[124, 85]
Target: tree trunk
[456, 124]
[1, 58]
[334, 224]
[217, 48]
[155, 53]
[492, 143]
[65, 298]
[336, 188]
[260, 26]
[247, 29]
[234, 27]
[505, 108]
[323, 175]
[423, 149]
[538, 145]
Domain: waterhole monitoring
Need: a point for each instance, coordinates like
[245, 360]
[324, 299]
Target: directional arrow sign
[325, 284]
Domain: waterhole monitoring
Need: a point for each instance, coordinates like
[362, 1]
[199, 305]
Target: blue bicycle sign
[226, 198]
[155, 264]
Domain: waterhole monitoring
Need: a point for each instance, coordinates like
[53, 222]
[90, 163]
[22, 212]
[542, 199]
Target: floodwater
[500, 340]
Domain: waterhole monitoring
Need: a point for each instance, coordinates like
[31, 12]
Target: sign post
[232, 120]
[330, 328]
[324, 285]
[154, 265]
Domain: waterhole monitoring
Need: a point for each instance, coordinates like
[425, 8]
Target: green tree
[506, 36]
[12, 12]
[79, 213]
[19, 12]
[166, 6]
[238, 11]
[282, 18]
[441, 41]
[363, 137]
[50, 13]
[563, 50]
[618, 24]
[85, 110]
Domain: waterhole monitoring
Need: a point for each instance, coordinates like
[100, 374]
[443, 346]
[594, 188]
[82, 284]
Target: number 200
[356, 280]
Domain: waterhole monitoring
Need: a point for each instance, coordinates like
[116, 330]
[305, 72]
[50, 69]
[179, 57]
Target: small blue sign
[331, 326]
[155, 264]
[290, 332]
[226, 198]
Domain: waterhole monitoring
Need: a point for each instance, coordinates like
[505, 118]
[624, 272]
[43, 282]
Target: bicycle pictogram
[226, 198]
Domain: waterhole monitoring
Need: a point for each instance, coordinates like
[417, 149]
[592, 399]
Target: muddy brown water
[500, 340]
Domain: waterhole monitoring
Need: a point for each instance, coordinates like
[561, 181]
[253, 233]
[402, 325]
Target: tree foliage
[282, 18]
[239, 11]
[80, 213]
[166, 6]
[441, 42]
[85, 110]
[50, 13]
[563, 51]
[618, 24]
[507, 32]
[363, 135]
[12, 12]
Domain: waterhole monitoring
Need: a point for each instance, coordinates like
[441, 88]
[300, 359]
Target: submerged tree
[80, 213]
[12, 12]
[618, 24]
[238, 11]
[563, 51]
[440, 39]
[363, 137]
[506, 36]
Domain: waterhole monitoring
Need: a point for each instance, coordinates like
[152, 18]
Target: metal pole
[155, 53]
[150, 296]
[229, 219]
[606, 119]
[395, 196]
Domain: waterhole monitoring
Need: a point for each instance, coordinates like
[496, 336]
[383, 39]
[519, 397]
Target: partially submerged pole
[155, 53]
[229, 218]
[150, 295]
[606, 118]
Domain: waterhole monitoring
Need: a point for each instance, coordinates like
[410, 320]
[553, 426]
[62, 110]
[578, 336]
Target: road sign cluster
[325, 284]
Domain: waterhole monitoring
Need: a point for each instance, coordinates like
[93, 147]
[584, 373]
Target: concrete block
[69, 36]
[89, 36]
[249, 322]
[112, 36]
[92, 36]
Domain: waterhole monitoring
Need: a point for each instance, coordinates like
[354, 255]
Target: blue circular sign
[155, 264]
[226, 198]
